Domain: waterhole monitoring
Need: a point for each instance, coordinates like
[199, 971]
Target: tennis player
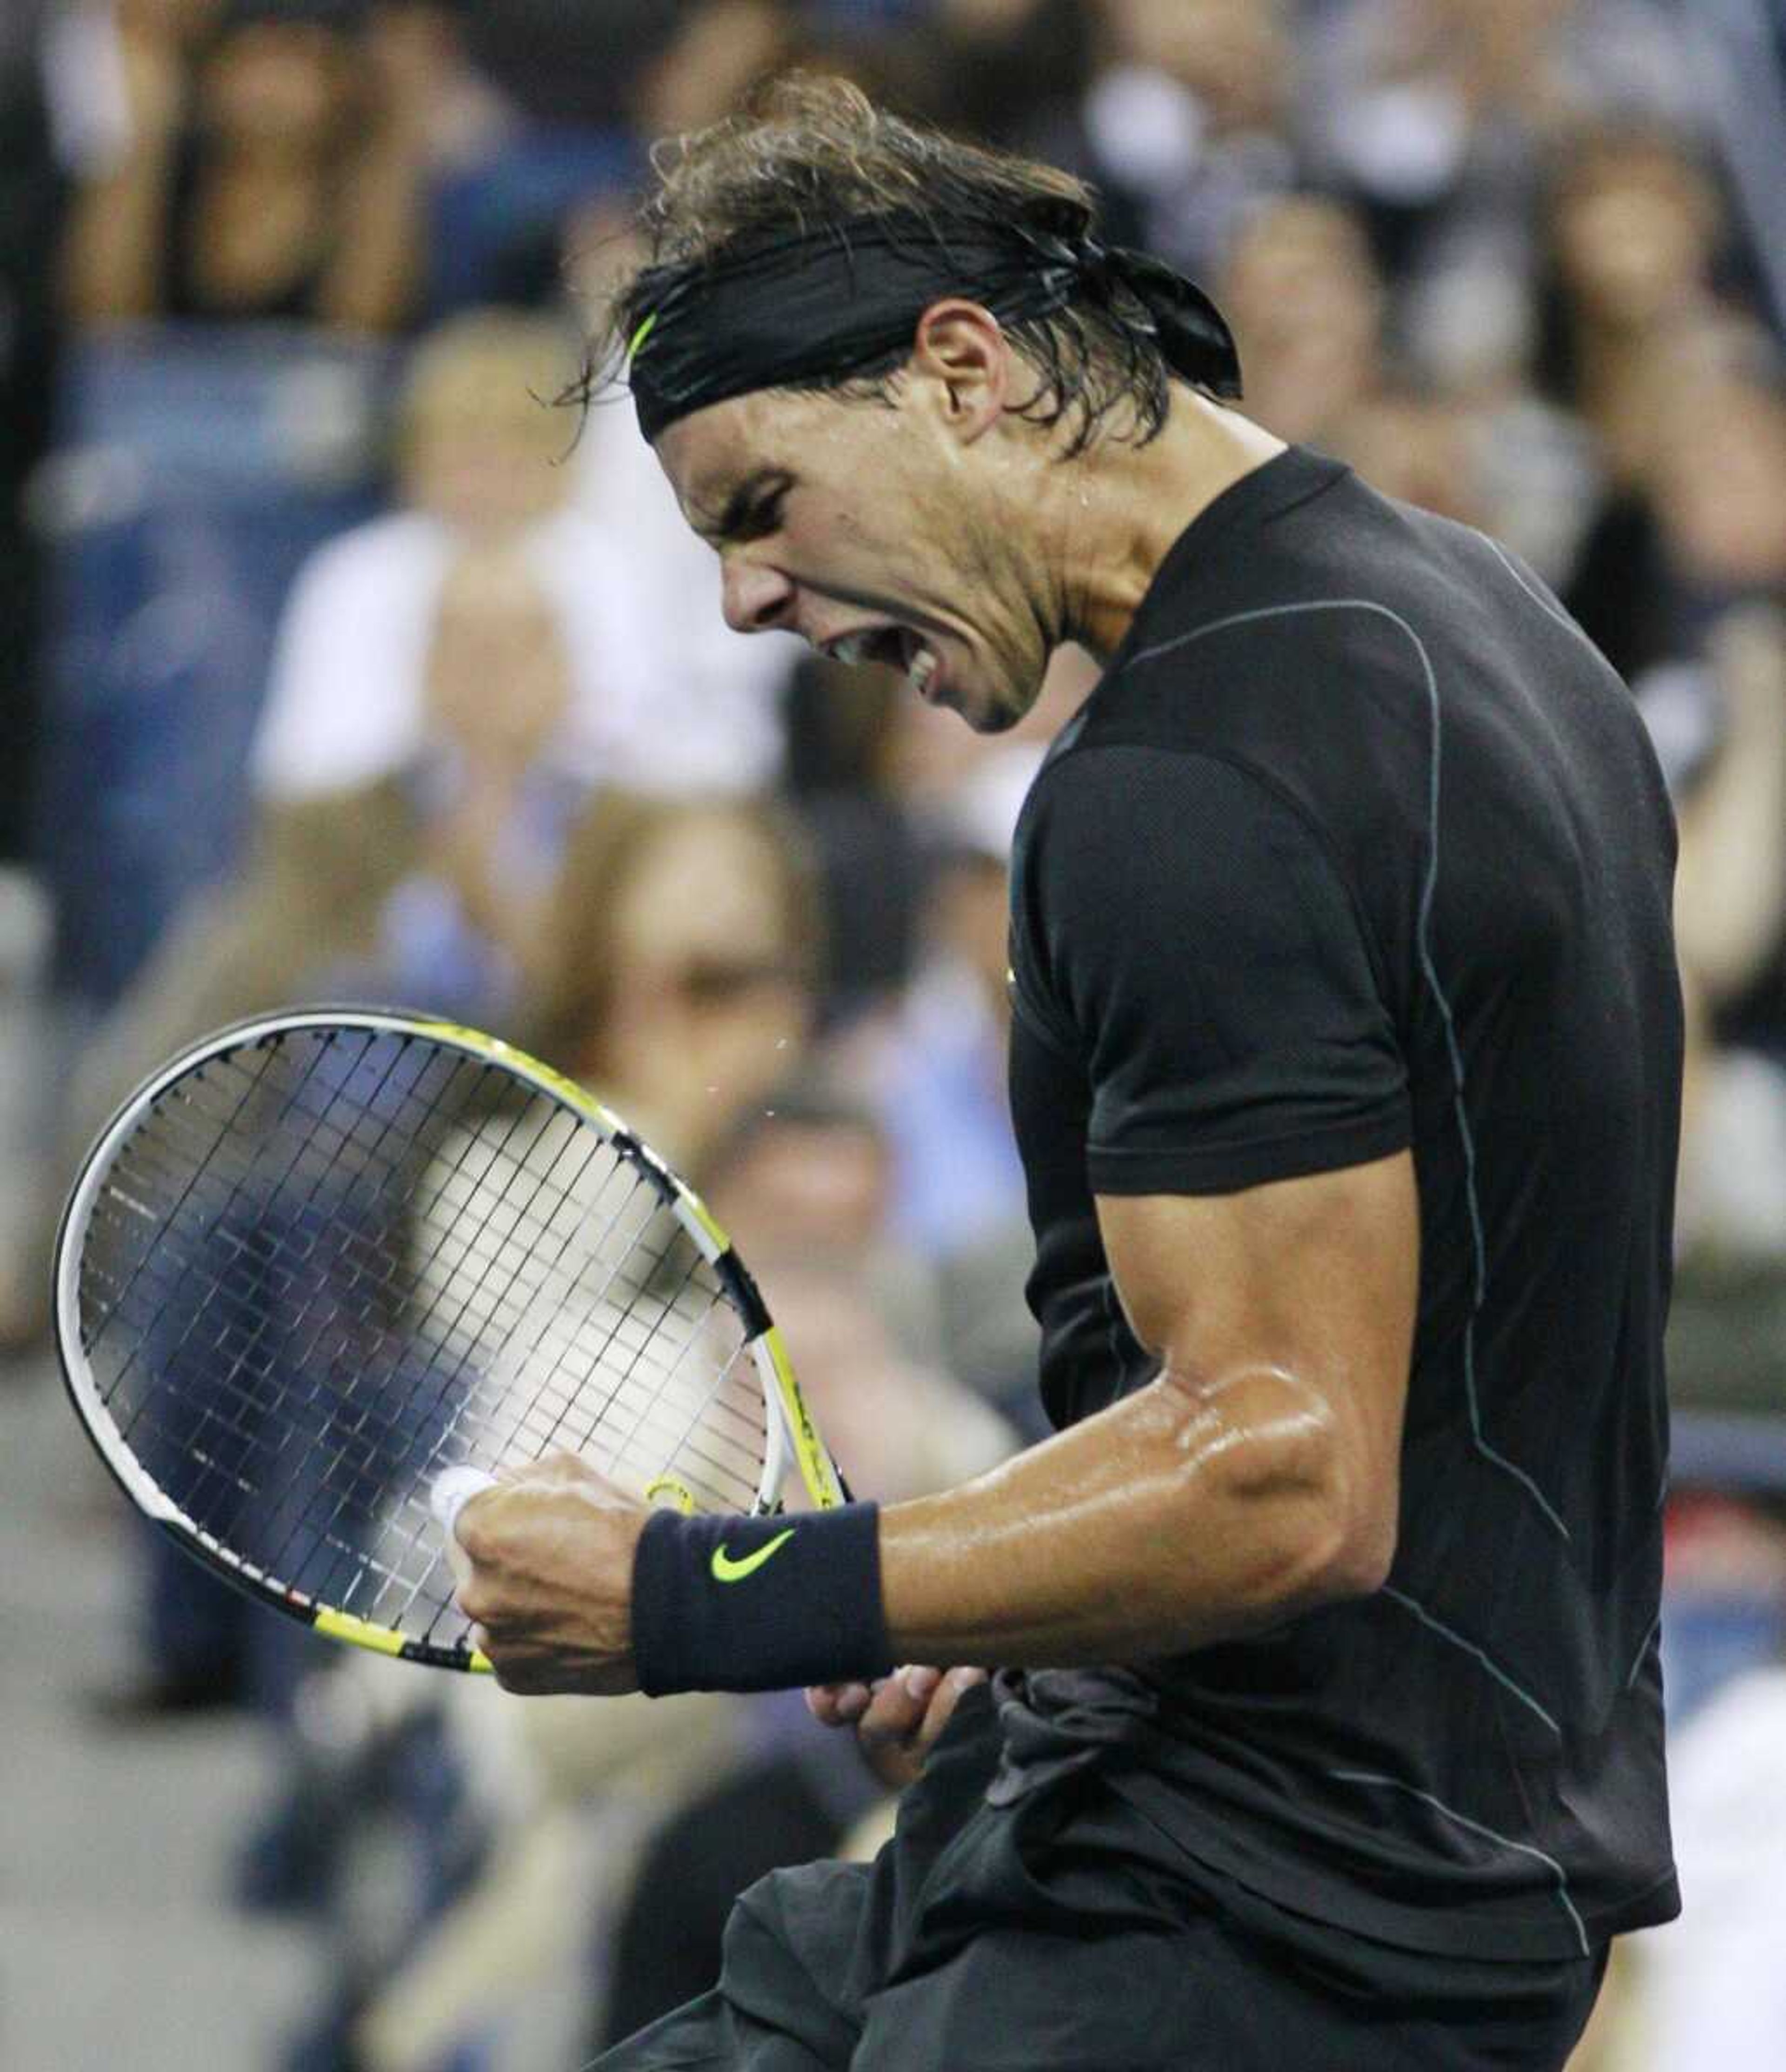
[1327, 1727]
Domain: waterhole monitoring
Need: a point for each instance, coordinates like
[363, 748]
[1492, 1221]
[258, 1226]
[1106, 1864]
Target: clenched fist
[544, 1565]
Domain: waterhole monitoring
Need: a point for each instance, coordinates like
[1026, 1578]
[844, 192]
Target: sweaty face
[874, 534]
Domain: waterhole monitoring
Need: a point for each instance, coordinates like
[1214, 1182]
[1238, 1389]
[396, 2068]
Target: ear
[961, 347]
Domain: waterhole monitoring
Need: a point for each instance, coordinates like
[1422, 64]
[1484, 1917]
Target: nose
[754, 599]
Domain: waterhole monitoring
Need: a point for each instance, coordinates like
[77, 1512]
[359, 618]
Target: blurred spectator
[1186, 123]
[481, 461]
[717, 50]
[475, 466]
[275, 166]
[810, 1177]
[1634, 228]
[1301, 292]
[1727, 1325]
[517, 1828]
[1715, 497]
[917, 854]
[1635, 232]
[871, 769]
[1417, 446]
[1717, 475]
[1432, 115]
[1739, 63]
[684, 965]
[1724, 1613]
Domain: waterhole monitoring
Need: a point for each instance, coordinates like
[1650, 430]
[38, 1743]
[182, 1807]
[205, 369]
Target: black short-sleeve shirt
[1359, 847]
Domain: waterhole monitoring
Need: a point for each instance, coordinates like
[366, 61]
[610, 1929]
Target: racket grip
[451, 1490]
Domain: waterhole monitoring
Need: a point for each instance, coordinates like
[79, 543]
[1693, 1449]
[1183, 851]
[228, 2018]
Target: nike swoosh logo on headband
[727, 1569]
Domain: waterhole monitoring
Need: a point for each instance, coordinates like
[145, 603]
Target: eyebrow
[759, 483]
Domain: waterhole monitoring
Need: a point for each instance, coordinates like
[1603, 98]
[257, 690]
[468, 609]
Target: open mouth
[893, 646]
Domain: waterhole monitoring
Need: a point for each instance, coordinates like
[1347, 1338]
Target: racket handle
[451, 1490]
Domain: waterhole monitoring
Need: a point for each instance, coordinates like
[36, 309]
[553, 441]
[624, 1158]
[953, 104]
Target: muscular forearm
[1186, 1513]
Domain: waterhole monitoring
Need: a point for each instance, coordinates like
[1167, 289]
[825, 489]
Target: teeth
[852, 650]
[923, 667]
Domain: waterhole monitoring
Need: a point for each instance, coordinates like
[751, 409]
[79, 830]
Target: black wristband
[759, 1604]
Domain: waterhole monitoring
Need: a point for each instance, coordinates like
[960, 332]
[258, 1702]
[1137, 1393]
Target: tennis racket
[325, 1266]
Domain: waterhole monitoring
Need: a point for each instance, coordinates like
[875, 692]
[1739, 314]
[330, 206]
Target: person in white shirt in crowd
[482, 460]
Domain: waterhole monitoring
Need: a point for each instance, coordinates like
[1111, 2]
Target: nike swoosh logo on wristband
[728, 1569]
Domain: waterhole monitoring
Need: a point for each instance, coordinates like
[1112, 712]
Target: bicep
[1316, 1278]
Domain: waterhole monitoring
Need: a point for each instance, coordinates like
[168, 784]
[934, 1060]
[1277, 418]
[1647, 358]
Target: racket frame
[790, 1436]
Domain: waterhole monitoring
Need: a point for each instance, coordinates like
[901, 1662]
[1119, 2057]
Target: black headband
[831, 301]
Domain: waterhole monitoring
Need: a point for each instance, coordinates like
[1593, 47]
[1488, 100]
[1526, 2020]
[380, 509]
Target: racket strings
[348, 1264]
[237, 1293]
[299, 1236]
[613, 1322]
[329, 1263]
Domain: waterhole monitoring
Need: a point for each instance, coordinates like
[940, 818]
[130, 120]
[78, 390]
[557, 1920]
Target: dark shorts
[1033, 1938]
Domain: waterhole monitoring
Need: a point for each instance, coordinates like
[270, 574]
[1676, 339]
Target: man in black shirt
[1327, 1727]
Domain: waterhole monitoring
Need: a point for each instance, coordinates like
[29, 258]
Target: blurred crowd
[336, 662]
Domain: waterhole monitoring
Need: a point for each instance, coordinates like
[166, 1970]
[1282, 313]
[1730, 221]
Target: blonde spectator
[429, 883]
[481, 463]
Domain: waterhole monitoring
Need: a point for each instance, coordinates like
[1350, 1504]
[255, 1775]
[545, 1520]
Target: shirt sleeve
[1186, 933]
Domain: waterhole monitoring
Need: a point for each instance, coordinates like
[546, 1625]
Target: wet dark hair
[806, 153]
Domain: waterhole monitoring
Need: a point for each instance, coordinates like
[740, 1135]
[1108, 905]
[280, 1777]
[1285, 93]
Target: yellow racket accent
[493, 1047]
[820, 1478]
[639, 337]
[358, 1632]
[380, 1639]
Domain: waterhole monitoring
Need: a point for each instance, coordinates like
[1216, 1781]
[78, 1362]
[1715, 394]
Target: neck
[1117, 510]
